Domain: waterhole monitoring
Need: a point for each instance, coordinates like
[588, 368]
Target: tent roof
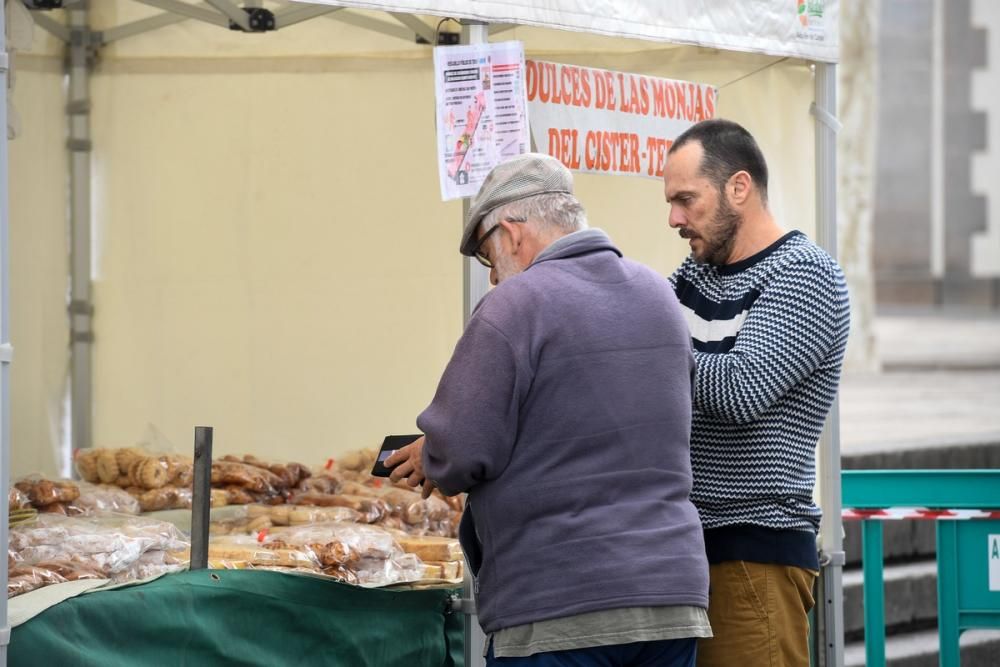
[798, 28]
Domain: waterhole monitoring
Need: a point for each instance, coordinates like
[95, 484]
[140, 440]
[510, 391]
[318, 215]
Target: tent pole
[475, 284]
[830, 600]
[475, 278]
[5, 348]
[81, 309]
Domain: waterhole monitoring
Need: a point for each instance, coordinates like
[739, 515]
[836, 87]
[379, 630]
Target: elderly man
[769, 318]
[565, 414]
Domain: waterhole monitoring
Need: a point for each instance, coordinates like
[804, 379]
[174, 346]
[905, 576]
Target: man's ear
[740, 186]
[516, 232]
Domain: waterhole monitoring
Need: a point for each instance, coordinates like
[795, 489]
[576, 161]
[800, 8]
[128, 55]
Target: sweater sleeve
[471, 424]
[791, 328]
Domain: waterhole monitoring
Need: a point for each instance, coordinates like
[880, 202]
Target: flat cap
[523, 176]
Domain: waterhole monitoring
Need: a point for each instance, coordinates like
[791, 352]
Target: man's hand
[407, 463]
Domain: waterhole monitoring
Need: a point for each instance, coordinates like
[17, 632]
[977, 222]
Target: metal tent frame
[82, 42]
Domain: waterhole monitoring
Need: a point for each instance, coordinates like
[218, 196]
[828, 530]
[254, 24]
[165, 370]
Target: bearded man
[768, 315]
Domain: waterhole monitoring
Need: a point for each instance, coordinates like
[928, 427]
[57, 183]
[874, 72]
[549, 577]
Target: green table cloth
[244, 617]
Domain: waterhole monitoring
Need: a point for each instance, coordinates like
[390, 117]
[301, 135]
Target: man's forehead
[687, 158]
[683, 167]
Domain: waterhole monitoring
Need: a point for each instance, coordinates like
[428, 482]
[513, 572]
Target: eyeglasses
[478, 253]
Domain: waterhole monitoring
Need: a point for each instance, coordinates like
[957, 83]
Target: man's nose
[676, 218]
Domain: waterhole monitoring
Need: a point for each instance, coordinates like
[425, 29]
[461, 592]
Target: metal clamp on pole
[825, 117]
[835, 558]
[459, 605]
[78, 307]
[6, 353]
[4, 62]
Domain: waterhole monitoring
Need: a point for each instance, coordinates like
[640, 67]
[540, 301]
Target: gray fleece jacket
[565, 412]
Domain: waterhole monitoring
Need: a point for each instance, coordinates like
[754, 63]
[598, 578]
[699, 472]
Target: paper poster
[607, 122]
[481, 112]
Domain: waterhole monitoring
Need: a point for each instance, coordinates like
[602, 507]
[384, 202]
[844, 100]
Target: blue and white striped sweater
[769, 334]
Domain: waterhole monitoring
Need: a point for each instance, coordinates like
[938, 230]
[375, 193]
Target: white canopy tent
[773, 28]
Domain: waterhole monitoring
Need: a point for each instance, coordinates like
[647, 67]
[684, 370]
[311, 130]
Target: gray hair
[549, 212]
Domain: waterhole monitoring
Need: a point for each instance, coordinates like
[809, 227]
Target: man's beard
[720, 235]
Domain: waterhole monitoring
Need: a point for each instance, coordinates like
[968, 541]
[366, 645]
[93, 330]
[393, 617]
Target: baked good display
[334, 520]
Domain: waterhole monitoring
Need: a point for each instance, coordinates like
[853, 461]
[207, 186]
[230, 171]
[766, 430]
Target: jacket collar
[577, 243]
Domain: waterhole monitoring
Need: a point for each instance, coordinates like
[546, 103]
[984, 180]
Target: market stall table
[244, 617]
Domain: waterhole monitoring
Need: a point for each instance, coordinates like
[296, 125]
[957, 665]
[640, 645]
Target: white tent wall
[40, 263]
[272, 259]
[271, 254]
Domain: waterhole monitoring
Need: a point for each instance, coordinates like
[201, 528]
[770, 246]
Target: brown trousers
[759, 616]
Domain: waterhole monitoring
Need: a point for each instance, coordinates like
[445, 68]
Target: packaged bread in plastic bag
[355, 553]
[17, 499]
[412, 508]
[96, 498]
[25, 578]
[108, 543]
[42, 492]
[370, 510]
[247, 549]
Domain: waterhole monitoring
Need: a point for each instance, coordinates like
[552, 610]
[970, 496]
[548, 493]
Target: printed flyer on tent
[481, 112]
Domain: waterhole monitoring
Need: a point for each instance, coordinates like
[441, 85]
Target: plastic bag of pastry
[247, 549]
[42, 492]
[445, 528]
[412, 508]
[109, 543]
[71, 570]
[430, 548]
[401, 568]
[278, 515]
[148, 472]
[44, 530]
[240, 525]
[85, 463]
[226, 473]
[369, 509]
[176, 471]
[358, 460]
[238, 495]
[324, 482]
[24, 578]
[165, 498]
[357, 540]
[342, 573]
[289, 473]
[355, 553]
[55, 508]
[102, 464]
[354, 488]
[456, 502]
[17, 499]
[104, 498]
[300, 514]
[150, 564]
[219, 498]
[152, 533]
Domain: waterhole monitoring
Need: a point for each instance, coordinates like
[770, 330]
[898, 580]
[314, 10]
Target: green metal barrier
[968, 551]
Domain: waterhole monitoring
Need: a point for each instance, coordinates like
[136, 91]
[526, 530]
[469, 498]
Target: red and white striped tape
[895, 513]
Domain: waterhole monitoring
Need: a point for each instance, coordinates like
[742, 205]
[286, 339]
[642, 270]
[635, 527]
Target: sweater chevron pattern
[769, 334]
